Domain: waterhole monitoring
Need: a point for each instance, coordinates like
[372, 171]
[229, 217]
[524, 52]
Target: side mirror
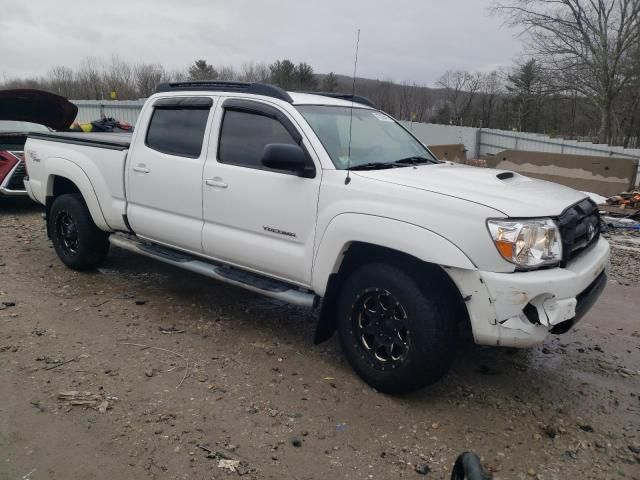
[289, 158]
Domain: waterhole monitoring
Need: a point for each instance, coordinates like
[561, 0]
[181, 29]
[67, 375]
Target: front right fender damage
[521, 309]
[487, 328]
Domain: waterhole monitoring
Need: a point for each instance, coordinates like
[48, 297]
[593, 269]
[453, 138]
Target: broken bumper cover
[520, 309]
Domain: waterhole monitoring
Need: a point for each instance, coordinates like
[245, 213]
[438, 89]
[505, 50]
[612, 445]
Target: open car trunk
[37, 106]
[25, 105]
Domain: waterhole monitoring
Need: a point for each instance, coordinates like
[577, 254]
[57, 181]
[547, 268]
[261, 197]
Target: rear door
[164, 172]
[255, 217]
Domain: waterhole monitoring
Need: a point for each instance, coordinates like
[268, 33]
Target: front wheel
[79, 243]
[398, 332]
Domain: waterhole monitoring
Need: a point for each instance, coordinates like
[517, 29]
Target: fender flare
[346, 228]
[61, 167]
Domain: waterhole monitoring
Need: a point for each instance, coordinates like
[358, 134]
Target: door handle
[215, 182]
[141, 169]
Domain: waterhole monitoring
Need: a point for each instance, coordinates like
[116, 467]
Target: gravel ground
[139, 370]
[625, 258]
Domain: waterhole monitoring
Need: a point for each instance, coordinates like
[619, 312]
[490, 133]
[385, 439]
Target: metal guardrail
[558, 145]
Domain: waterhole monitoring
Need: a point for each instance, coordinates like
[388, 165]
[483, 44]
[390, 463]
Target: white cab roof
[311, 99]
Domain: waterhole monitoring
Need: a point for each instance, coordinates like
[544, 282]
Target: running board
[224, 273]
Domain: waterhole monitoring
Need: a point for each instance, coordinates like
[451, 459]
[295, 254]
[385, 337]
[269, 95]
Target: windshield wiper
[416, 160]
[403, 162]
[373, 166]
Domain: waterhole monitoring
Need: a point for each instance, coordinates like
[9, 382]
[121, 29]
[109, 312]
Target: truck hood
[508, 192]
[37, 106]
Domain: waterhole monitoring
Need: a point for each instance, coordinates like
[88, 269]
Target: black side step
[164, 252]
[248, 278]
[241, 278]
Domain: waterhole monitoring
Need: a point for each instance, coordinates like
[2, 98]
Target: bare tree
[383, 95]
[254, 72]
[460, 88]
[61, 80]
[177, 76]
[147, 78]
[226, 73]
[89, 80]
[629, 105]
[491, 89]
[422, 107]
[118, 78]
[330, 82]
[588, 40]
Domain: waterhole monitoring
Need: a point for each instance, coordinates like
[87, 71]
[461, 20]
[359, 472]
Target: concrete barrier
[454, 152]
[603, 175]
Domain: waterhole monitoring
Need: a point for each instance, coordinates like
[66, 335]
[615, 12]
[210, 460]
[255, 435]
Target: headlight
[527, 243]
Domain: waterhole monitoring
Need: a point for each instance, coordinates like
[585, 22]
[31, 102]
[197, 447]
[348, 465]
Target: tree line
[580, 78]
[96, 79]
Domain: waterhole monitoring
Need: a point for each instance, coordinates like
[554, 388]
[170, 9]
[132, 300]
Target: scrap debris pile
[620, 216]
[628, 201]
[622, 212]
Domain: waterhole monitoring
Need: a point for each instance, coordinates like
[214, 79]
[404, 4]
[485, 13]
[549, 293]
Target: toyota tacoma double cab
[322, 200]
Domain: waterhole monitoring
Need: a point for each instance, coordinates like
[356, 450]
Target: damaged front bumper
[520, 309]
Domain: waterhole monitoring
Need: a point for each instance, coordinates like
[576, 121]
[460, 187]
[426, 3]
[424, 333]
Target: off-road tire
[79, 243]
[430, 319]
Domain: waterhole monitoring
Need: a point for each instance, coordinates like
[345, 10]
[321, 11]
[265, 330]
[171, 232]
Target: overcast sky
[413, 40]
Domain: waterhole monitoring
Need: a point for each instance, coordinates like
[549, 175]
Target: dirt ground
[188, 378]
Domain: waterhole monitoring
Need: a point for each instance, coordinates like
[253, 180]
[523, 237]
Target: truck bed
[111, 141]
[94, 162]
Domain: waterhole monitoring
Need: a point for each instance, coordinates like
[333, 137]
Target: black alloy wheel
[79, 243]
[67, 232]
[381, 326]
[397, 325]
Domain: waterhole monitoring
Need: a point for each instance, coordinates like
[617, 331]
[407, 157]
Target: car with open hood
[23, 111]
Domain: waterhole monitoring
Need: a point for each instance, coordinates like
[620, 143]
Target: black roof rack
[346, 96]
[215, 86]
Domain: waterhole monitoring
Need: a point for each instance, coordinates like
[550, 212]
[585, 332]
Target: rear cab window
[177, 125]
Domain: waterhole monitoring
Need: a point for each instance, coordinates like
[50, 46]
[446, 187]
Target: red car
[23, 111]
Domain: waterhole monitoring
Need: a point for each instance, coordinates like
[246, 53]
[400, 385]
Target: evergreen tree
[201, 70]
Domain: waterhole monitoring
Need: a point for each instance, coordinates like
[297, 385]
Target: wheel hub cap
[67, 232]
[381, 327]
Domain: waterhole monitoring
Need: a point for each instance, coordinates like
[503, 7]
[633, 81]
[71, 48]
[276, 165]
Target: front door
[164, 173]
[254, 217]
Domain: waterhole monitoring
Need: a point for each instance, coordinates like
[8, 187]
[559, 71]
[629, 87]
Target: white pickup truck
[310, 197]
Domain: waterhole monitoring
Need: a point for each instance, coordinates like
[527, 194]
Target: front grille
[580, 228]
[16, 180]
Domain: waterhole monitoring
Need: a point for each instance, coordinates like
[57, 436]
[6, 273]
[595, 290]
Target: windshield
[12, 126]
[376, 138]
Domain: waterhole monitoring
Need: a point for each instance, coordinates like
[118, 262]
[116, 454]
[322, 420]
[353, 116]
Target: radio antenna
[353, 92]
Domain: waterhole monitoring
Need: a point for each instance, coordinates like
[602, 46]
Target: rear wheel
[398, 332]
[79, 243]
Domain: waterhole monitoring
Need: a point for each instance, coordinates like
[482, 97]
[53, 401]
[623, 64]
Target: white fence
[435, 134]
[484, 141]
[125, 110]
[477, 141]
